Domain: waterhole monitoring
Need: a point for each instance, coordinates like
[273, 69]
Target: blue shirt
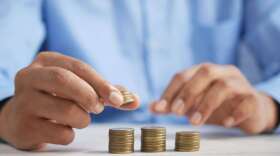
[141, 44]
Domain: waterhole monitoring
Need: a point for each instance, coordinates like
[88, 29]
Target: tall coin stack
[187, 141]
[127, 96]
[153, 139]
[121, 140]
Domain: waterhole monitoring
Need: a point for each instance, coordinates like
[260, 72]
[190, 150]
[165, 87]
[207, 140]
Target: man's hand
[218, 94]
[53, 95]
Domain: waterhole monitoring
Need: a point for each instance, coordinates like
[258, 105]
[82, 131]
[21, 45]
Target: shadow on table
[222, 135]
[229, 135]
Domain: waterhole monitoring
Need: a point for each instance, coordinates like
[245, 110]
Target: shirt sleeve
[262, 38]
[21, 35]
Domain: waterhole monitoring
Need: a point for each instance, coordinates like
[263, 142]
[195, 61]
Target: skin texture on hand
[53, 95]
[220, 95]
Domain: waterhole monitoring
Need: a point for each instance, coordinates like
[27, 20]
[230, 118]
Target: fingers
[160, 107]
[242, 111]
[63, 83]
[210, 89]
[172, 89]
[196, 86]
[215, 96]
[62, 111]
[104, 89]
[163, 105]
[43, 131]
[49, 132]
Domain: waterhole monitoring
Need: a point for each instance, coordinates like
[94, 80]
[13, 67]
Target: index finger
[172, 90]
[103, 88]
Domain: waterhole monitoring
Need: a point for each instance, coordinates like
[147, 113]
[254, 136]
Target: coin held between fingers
[128, 97]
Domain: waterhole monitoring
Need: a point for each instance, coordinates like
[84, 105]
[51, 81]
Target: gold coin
[121, 140]
[187, 141]
[128, 97]
[153, 139]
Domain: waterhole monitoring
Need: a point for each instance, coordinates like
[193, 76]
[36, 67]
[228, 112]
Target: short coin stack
[127, 96]
[187, 141]
[153, 139]
[121, 140]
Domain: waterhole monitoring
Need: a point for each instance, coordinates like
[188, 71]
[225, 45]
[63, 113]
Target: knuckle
[179, 77]
[206, 69]
[189, 92]
[67, 136]
[79, 66]
[43, 55]
[222, 83]
[59, 76]
[233, 68]
[21, 74]
[167, 97]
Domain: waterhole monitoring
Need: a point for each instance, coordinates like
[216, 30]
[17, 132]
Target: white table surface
[215, 142]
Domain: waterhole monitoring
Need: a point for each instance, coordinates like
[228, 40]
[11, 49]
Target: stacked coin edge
[187, 141]
[127, 96]
[121, 140]
[153, 139]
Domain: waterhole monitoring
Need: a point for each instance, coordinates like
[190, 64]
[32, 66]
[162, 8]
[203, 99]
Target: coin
[128, 97]
[121, 140]
[153, 139]
[187, 141]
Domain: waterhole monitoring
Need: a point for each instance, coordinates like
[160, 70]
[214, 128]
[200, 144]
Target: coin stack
[153, 139]
[127, 96]
[187, 141]
[121, 140]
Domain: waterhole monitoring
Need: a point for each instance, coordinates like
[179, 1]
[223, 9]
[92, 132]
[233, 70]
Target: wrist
[272, 114]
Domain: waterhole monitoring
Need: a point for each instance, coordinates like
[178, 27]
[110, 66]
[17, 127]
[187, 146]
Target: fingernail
[229, 122]
[196, 118]
[181, 110]
[98, 108]
[116, 98]
[161, 105]
[177, 105]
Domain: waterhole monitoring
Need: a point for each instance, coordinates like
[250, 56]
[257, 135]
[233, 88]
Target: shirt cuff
[272, 89]
[2, 141]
